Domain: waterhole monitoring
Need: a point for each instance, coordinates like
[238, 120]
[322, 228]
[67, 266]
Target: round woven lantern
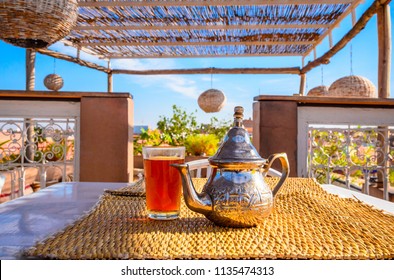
[318, 91]
[38, 23]
[212, 100]
[53, 82]
[352, 86]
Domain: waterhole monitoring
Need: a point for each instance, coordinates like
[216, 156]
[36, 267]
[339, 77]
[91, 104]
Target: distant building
[248, 124]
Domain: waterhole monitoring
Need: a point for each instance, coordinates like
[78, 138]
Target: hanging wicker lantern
[38, 23]
[212, 100]
[352, 86]
[53, 82]
[318, 91]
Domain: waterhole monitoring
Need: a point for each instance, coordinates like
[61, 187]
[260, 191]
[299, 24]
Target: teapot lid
[236, 150]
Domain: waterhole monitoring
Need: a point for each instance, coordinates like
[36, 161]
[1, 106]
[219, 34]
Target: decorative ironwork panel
[42, 148]
[353, 156]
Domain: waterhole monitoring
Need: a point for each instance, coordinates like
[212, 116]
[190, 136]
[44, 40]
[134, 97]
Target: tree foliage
[182, 129]
[176, 128]
[201, 144]
[216, 127]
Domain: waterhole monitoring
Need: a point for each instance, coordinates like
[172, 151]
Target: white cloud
[242, 91]
[208, 78]
[184, 86]
[173, 83]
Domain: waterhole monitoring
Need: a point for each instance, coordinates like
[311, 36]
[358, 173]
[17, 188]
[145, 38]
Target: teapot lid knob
[238, 116]
[239, 112]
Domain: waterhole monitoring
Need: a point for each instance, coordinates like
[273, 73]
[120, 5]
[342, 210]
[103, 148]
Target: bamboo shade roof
[202, 28]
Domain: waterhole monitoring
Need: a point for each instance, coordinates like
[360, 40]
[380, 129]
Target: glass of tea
[162, 181]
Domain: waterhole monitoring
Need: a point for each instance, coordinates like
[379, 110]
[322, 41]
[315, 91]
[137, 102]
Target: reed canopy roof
[205, 28]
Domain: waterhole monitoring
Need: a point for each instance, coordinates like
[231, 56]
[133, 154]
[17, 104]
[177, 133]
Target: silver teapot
[236, 194]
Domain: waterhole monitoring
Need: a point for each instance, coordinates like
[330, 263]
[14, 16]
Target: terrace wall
[276, 127]
[105, 127]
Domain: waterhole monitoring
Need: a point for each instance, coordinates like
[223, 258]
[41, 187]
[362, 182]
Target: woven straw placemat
[307, 223]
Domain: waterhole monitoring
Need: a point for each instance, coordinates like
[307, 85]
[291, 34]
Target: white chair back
[196, 168]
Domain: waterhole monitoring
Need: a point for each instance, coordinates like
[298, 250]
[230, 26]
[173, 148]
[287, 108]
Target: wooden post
[30, 85]
[30, 69]
[384, 43]
[109, 83]
[302, 84]
[384, 69]
[109, 77]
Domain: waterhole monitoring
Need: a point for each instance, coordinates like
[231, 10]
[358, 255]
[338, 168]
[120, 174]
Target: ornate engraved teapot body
[236, 194]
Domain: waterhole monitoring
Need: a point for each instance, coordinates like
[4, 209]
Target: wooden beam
[198, 27]
[160, 55]
[384, 46]
[183, 3]
[361, 23]
[199, 43]
[73, 59]
[290, 70]
[337, 22]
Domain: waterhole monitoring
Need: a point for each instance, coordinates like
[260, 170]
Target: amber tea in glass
[162, 181]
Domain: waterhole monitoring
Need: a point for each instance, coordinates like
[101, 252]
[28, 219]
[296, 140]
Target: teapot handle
[285, 169]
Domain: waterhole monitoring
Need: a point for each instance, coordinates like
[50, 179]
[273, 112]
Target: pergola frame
[129, 29]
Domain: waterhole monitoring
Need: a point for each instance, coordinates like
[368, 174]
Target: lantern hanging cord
[211, 77]
[306, 83]
[322, 76]
[54, 65]
[351, 60]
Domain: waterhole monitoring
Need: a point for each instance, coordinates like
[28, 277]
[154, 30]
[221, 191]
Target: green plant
[8, 154]
[2, 160]
[201, 144]
[216, 127]
[176, 128]
[179, 129]
[147, 138]
[4, 142]
[391, 177]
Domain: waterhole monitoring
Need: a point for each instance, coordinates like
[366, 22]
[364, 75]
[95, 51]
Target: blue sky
[155, 95]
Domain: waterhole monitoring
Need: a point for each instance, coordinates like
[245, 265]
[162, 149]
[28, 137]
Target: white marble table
[384, 205]
[27, 219]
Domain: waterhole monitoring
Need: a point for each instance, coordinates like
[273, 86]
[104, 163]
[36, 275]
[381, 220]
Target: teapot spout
[200, 203]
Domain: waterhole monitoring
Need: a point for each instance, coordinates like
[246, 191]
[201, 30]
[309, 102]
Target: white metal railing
[40, 147]
[351, 147]
[353, 156]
